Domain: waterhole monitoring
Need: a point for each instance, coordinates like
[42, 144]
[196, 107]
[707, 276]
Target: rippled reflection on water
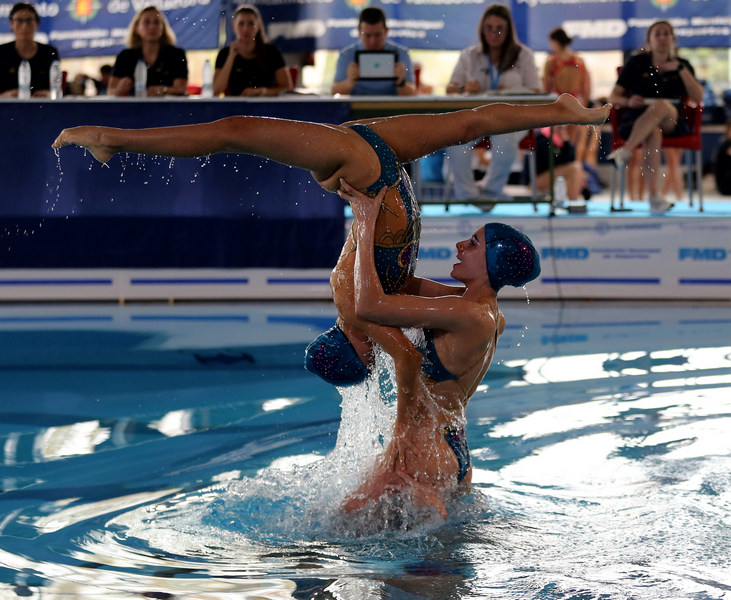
[182, 451]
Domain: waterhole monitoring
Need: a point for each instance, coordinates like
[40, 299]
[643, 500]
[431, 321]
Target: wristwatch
[681, 66]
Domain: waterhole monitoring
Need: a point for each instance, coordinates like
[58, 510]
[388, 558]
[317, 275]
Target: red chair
[691, 145]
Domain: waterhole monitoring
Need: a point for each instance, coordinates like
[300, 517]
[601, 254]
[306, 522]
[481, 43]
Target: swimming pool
[171, 451]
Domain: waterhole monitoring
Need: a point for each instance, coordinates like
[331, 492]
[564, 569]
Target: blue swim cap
[332, 357]
[510, 256]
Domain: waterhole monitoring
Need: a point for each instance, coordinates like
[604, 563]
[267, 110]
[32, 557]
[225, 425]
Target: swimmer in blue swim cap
[427, 461]
[369, 154]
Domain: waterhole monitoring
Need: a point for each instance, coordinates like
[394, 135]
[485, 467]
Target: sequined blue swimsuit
[433, 368]
[396, 261]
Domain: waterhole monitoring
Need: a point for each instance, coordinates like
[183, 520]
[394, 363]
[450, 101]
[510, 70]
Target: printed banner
[605, 257]
[99, 27]
[452, 24]
[81, 28]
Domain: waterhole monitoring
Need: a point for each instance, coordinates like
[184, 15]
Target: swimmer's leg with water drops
[414, 136]
[327, 151]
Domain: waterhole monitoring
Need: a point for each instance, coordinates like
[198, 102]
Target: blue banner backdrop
[98, 27]
[81, 28]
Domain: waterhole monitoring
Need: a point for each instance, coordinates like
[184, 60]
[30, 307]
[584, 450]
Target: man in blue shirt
[372, 33]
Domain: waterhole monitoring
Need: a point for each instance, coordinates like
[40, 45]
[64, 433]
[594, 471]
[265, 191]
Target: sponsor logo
[358, 4]
[436, 253]
[663, 5]
[702, 254]
[83, 10]
[577, 253]
[596, 29]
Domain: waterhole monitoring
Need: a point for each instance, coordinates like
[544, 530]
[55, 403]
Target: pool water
[181, 451]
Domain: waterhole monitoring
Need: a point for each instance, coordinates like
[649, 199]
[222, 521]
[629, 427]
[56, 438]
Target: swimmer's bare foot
[576, 114]
[87, 137]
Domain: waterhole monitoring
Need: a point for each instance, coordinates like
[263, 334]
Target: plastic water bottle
[560, 194]
[56, 79]
[24, 80]
[207, 89]
[141, 79]
[89, 88]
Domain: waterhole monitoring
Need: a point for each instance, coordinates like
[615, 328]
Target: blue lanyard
[494, 74]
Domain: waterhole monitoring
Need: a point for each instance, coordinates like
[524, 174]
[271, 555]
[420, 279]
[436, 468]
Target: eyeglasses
[494, 30]
[26, 21]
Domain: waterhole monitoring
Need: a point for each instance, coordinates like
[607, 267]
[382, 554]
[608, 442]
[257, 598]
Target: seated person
[250, 66]
[151, 40]
[564, 162]
[498, 62]
[372, 33]
[651, 89]
[24, 21]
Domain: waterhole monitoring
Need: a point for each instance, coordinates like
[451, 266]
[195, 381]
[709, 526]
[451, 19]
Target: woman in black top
[651, 88]
[151, 39]
[24, 21]
[250, 66]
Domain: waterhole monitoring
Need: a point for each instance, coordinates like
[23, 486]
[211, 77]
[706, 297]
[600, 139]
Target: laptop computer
[376, 64]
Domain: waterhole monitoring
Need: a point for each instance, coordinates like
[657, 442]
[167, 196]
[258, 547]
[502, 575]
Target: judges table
[65, 210]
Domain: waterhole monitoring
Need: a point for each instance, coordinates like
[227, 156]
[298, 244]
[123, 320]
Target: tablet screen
[376, 64]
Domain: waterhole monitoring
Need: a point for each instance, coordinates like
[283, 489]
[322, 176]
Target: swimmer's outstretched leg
[414, 136]
[329, 152]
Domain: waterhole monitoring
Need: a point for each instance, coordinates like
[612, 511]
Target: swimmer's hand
[91, 138]
[365, 208]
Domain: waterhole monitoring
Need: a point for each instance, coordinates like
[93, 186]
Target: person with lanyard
[372, 34]
[150, 39]
[250, 65]
[650, 90]
[24, 21]
[498, 62]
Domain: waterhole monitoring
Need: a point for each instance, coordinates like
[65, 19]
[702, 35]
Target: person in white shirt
[498, 62]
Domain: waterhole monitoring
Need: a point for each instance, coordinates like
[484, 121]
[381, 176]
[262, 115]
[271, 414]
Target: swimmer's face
[471, 257]
[373, 36]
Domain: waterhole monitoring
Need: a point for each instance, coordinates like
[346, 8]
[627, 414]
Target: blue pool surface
[181, 451]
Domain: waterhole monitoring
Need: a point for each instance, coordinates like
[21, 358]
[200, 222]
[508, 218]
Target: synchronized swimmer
[373, 283]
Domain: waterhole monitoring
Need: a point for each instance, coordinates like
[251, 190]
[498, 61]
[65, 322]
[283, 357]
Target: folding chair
[691, 144]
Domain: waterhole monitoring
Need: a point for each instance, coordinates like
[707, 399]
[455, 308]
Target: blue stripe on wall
[55, 282]
[298, 281]
[189, 281]
[602, 280]
[704, 281]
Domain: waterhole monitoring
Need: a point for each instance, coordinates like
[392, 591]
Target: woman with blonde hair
[151, 40]
[250, 65]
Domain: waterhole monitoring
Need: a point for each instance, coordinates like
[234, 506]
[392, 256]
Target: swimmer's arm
[371, 303]
[420, 286]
